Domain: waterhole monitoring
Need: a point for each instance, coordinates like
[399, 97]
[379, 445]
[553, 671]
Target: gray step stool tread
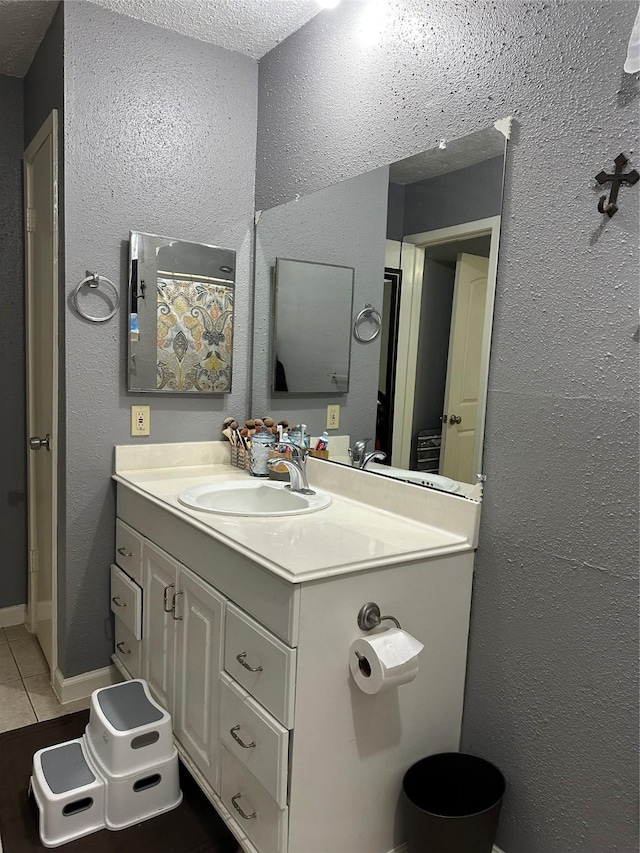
[127, 707]
[65, 768]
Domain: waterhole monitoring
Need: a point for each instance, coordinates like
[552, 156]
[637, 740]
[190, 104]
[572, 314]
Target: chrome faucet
[359, 456]
[369, 457]
[297, 468]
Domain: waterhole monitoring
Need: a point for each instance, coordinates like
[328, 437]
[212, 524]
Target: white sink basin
[253, 497]
[420, 478]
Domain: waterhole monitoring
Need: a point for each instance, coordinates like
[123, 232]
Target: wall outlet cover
[140, 420]
[333, 417]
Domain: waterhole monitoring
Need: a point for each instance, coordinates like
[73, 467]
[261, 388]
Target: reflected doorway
[444, 316]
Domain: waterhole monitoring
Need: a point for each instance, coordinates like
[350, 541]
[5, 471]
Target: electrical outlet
[140, 418]
[333, 417]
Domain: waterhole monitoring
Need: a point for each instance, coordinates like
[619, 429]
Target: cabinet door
[200, 613]
[158, 638]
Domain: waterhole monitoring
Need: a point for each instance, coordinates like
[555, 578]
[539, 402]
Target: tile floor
[26, 695]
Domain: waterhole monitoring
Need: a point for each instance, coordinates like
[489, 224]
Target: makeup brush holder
[239, 458]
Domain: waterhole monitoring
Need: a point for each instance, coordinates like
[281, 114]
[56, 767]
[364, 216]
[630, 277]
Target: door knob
[455, 419]
[36, 443]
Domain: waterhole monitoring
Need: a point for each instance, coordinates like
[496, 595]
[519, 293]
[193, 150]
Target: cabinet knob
[234, 801]
[124, 552]
[239, 740]
[241, 660]
[118, 603]
[122, 648]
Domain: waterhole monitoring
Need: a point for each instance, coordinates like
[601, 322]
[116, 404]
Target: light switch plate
[140, 420]
[333, 417]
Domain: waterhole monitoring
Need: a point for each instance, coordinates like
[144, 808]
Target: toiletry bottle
[323, 441]
[261, 444]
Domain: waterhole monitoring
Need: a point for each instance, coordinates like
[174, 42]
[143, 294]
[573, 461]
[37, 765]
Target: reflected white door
[41, 270]
[463, 371]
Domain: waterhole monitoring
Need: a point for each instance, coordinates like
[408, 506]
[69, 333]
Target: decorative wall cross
[617, 179]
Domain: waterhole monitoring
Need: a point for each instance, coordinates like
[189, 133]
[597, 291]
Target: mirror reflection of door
[460, 419]
[438, 415]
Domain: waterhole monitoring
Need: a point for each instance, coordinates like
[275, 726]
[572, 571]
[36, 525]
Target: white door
[200, 611]
[160, 573]
[464, 368]
[41, 274]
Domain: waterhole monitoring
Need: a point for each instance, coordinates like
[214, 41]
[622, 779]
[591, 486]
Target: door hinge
[31, 219]
[33, 561]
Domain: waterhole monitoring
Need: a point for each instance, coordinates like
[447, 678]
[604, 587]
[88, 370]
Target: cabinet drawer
[266, 743]
[253, 810]
[129, 550]
[126, 601]
[261, 663]
[128, 650]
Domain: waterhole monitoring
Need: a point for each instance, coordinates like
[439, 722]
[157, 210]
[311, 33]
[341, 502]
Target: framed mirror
[180, 332]
[422, 237]
[311, 330]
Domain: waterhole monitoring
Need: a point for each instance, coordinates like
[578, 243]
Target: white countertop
[370, 522]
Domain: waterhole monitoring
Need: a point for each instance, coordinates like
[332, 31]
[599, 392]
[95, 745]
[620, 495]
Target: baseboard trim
[16, 615]
[82, 686]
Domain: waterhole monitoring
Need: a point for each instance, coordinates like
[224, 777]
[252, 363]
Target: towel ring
[93, 280]
[367, 312]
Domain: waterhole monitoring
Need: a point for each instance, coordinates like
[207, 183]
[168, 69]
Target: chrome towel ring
[368, 312]
[94, 280]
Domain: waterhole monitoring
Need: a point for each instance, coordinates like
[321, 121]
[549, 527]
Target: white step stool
[132, 798]
[69, 792]
[128, 731]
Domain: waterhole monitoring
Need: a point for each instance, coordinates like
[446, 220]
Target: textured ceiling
[457, 154]
[252, 27]
[22, 28]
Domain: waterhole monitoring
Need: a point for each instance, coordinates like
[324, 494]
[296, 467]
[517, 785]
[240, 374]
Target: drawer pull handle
[118, 603]
[123, 552]
[175, 604]
[122, 648]
[165, 595]
[239, 810]
[241, 660]
[239, 740]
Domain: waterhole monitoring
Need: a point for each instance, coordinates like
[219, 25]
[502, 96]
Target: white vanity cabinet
[182, 653]
[255, 671]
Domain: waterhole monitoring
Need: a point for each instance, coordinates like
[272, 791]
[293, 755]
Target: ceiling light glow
[327, 4]
[374, 21]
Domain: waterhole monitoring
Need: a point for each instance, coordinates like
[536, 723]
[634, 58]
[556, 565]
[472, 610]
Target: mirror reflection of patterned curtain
[195, 335]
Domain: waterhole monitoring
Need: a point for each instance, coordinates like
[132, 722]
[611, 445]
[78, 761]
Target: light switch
[140, 417]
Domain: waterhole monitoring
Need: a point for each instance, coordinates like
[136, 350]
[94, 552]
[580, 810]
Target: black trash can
[452, 804]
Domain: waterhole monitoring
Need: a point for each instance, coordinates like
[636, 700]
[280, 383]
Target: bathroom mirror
[421, 236]
[311, 327]
[180, 333]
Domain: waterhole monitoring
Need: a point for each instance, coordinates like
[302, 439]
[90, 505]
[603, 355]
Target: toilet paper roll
[384, 660]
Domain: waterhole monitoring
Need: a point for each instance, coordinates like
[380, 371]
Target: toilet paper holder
[369, 617]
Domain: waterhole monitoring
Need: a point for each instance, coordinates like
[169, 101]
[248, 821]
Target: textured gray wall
[44, 81]
[552, 681]
[461, 196]
[13, 476]
[160, 137]
[344, 224]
